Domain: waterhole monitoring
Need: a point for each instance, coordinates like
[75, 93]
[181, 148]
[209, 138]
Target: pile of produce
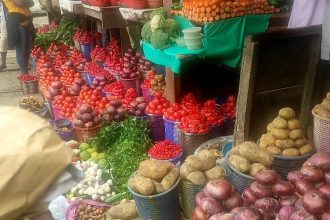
[323, 109]
[69, 74]
[78, 60]
[83, 37]
[158, 105]
[125, 209]
[54, 90]
[285, 136]
[228, 109]
[217, 198]
[130, 96]
[154, 177]
[138, 107]
[210, 11]
[31, 104]
[147, 81]
[86, 211]
[86, 117]
[27, 78]
[114, 62]
[92, 186]
[160, 31]
[131, 61]
[165, 150]
[175, 113]
[201, 168]
[313, 184]
[99, 54]
[75, 89]
[67, 105]
[144, 65]
[212, 114]
[92, 97]
[158, 84]
[194, 123]
[115, 90]
[249, 158]
[125, 143]
[115, 112]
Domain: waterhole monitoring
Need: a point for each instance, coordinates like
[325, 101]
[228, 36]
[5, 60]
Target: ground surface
[10, 90]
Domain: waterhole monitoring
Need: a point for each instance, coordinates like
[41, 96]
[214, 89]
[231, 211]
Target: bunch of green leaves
[126, 144]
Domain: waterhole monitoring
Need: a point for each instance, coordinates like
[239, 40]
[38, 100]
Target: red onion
[326, 215]
[222, 216]
[298, 205]
[211, 206]
[321, 160]
[198, 198]
[249, 196]
[199, 214]
[311, 174]
[303, 186]
[293, 176]
[260, 191]
[325, 189]
[219, 189]
[267, 177]
[288, 200]
[315, 202]
[283, 188]
[267, 204]
[327, 176]
[285, 212]
[302, 215]
[233, 201]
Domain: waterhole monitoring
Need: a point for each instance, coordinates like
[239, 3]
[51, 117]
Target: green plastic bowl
[192, 32]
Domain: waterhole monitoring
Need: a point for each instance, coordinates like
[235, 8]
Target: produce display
[154, 177]
[194, 123]
[99, 54]
[78, 60]
[125, 209]
[175, 113]
[54, 90]
[86, 117]
[115, 112]
[131, 61]
[165, 150]
[115, 90]
[323, 109]
[212, 114]
[67, 105]
[83, 37]
[160, 31]
[158, 84]
[285, 137]
[130, 96]
[31, 104]
[138, 107]
[158, 105]
[69, 74]
[92, 186]
[27, 78]
[92, 97]
[201, 168]
[214, 10]
[250, 159]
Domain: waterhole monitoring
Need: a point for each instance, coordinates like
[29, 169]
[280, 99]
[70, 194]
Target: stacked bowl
[193, 38]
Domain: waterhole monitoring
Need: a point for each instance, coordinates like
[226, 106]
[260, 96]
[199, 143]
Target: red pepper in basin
[27, 78]
[165, 150]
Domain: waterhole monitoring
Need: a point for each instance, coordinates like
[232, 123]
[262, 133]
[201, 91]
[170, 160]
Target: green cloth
[223, 40]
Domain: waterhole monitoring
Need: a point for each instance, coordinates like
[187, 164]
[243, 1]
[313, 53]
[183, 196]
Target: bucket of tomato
[166, 150]
[172, 118]
[29, 84]
[193, 131]
[132, 80]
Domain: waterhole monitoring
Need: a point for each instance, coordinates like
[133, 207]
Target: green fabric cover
[223, 40]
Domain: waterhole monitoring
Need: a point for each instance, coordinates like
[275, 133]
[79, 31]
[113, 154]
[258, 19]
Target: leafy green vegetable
[157, 23]
[159, 11]
[146, 32]
[126, 144]
[172, 28]
[160, 40]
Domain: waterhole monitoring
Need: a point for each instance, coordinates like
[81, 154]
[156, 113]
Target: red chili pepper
[165, 150]
[27, 78]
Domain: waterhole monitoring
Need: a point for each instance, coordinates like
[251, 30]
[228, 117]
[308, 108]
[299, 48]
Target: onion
[219, 189]
[326, 215]
[288, 200]
[302, 215]
[267, 204]
[298, 205]
[303, 186]
[260, 191]
[222, 216]
[267, 177]
[199, 214]
[321, 160]
[293, 176]
[249, 196]
[285, 212]
[283, 188]
[325, 189]
[86, 117]
[248, 213]
[211, 206]
[327, 176]
[233, 201]
[198, 198]
[311, 174]
[314, 202]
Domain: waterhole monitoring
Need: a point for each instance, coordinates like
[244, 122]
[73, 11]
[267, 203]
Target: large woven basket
[321, 133]
[163, 206]
[284, 165]
[188, 192]
[239, 180]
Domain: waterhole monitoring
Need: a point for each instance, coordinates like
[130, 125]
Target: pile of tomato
[36, 51]
[228, 109]
[130, 96]
[86, 38]
[66, 103]
[59, 61]
[57, 48]
[69, 75]
[99, 54]
[47, 76]
[175, 113]
[212, 114]
[147, 82]
[78, 60]
[93, 98]
[158, 105]
[190, 104]
[194, 124]
[115, 90]
[165, 150]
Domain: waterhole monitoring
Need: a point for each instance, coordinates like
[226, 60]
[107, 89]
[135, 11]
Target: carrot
[204, 19]
[213, 13]
[217, 18]
[202, 14]
[202, 9]
[208, 14]
[222, 10]
[208, 9]
[217, 10]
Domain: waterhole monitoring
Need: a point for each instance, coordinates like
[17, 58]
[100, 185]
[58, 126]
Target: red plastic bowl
[114, 2]
[99, 3]
[136, 4]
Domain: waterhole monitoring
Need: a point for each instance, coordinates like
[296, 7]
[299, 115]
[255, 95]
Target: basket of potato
[244, 161]
[321, 113]
[154, 188]
[195, 173]
[287, 142]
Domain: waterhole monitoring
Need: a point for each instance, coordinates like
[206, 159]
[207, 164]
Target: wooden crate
[278, 70]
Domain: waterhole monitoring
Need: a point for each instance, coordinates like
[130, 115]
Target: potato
[194, 163]
[306, 149]
[280, 123]
[159, 188]
[170, 179]
[296, 134]
[255, 154]
[126, 211]
[326, 103]
[270, 139]
[290, 152]
[284, 144]
[300, 142]
[154, 169]
[209, 153]
[257, 167]
[269, 127]
[142, 185]
[240, 163]
[235, 150]
[280, 133]
[294, 124]
[262, 142]
[216, 172]
[184, 171]
[274, 150]
[197, 178]
[287, 113]
[321, 111]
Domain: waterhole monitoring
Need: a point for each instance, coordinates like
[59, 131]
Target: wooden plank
[173, 87]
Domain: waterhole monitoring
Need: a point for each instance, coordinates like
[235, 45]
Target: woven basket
[284, 165]
[321, 133]
[239, 180]
[188, 192]
[190, 142]
[163, 206]
[70, 214]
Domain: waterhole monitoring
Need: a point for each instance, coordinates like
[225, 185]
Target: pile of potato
[154, 177]
[285, 137]
[202, 167]
[249, 158]
[323, 109]
[125, 210]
